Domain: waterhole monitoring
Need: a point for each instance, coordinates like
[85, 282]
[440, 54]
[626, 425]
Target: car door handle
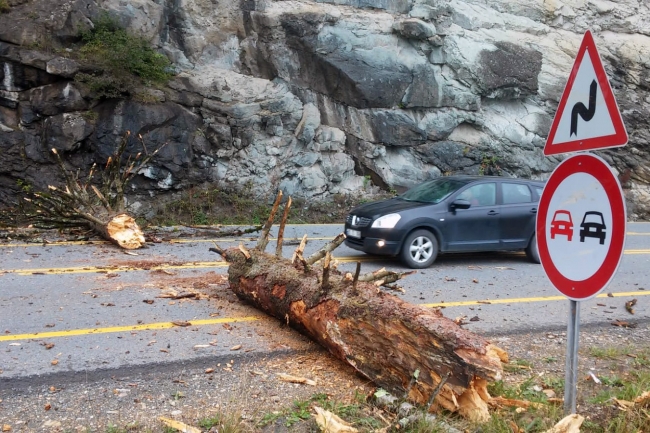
[533, 210]
[493, 212]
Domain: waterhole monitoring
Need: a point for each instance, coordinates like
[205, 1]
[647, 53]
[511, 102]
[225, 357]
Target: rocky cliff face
[315, 96]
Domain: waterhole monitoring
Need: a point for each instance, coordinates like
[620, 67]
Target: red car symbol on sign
[562, 224]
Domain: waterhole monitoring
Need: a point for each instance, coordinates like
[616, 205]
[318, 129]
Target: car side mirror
[460, 204]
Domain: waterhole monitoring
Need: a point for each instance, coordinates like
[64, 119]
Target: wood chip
[180, 426]
[295, 379]
[183, 295]
[568, 424]
[643, 400]
[330, 423]
[624, 405]
[181, 323]
[510, 402]
[237, 347]
[549, 393]
[623, 324]
[629, 305]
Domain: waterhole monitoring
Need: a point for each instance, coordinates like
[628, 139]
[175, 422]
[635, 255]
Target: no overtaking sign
[581, 226]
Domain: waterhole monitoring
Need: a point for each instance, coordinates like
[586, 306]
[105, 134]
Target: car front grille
[360, 221]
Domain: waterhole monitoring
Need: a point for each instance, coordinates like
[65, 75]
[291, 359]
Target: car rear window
[433, 191]
[516, 193]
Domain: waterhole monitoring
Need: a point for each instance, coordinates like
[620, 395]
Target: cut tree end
[125, 232]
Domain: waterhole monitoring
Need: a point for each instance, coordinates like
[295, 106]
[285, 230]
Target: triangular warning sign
[587, 116]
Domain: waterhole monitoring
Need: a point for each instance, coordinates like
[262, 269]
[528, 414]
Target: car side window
[539, 190]
[516, 193]
[480, 195]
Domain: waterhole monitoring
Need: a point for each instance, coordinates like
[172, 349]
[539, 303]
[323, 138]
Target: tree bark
[406, 349]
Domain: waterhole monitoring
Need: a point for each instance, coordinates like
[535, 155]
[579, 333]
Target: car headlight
[387, 221]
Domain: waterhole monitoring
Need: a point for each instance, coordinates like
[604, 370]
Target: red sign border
[619, 138]
[598, 168]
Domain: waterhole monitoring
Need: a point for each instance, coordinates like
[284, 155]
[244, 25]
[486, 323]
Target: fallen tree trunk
[403, 348]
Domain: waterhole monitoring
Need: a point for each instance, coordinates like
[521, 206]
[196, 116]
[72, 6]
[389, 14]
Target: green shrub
[105, 86]
[123, 61]
[4, 6]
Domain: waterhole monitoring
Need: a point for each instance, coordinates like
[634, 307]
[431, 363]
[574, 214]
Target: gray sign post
[571, 375]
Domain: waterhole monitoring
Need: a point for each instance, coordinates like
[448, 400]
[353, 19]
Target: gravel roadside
[251, 386]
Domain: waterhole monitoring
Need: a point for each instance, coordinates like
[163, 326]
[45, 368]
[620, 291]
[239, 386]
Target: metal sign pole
[571, 377]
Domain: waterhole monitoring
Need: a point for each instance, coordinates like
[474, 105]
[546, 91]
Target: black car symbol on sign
[593, 226]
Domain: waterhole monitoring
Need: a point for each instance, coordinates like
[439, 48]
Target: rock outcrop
[314, 97]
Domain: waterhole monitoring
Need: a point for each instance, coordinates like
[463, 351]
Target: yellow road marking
[526, 300]
[226, 240]
[147, 327]
[94, 269]
[192, 265]
[168, 325]
[54, 244]
[171, 241]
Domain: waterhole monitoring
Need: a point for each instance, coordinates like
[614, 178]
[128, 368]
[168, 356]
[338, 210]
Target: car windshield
[433, 191]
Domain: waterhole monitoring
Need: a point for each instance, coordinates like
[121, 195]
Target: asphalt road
[85, 309]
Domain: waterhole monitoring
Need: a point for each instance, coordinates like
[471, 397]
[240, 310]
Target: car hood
[378, 208]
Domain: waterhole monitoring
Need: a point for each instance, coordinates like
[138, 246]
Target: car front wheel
[420, 249]
[531, 250]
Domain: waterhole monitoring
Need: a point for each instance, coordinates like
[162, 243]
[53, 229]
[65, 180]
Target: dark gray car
[449, 214]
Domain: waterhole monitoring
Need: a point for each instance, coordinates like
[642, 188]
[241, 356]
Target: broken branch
[278, 248]
[331, 246]
[264, 236]
[300, 249]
